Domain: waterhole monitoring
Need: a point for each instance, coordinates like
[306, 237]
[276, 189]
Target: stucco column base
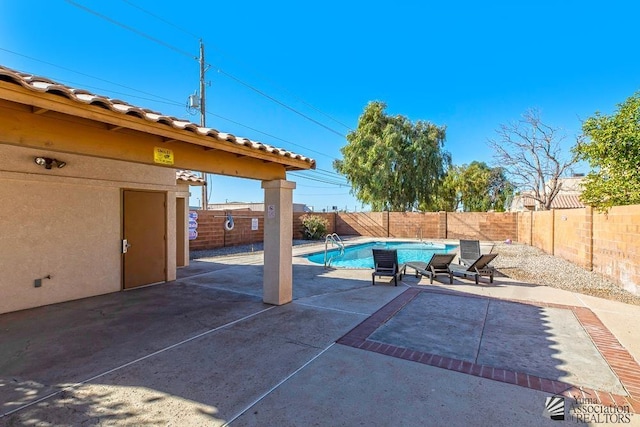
[277, 286]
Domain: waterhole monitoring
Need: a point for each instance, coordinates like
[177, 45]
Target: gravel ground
[517, 261]
[532, 265]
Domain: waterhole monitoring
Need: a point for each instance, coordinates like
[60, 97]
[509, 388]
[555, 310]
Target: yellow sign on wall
[164, 156]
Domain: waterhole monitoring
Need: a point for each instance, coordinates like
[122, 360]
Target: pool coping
[616, 356]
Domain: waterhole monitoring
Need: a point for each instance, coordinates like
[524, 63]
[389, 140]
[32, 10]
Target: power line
[338, 180]
[242, 62]
[282, 104]
[161, 19]
[314, 186]
[321, 195]
[154, 98]
[269, 135]
[330, 173]
[185, 53]
[326, 176]
[325, 181]
[133, 30]
[170, 101]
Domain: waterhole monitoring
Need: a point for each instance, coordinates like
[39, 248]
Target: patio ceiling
[40, 113]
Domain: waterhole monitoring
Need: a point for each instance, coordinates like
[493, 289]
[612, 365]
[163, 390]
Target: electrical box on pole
[196, 102]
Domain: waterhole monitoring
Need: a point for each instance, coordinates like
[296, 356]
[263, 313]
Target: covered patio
[89, 191]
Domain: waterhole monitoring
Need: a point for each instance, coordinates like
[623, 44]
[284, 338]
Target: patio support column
[277, 286]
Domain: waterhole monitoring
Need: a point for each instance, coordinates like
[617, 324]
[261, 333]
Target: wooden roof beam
[38, 110]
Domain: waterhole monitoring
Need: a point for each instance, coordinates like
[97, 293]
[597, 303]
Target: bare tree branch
[529, 151]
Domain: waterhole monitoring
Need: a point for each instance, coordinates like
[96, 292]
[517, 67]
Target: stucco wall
[62, 230]
[66, 223]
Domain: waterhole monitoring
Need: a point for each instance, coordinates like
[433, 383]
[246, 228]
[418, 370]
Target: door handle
[125, 246]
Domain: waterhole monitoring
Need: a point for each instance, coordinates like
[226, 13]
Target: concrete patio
[205, 350]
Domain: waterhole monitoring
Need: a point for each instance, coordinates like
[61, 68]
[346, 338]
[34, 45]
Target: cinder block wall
[525, 222]
[616, 245]
[572, 235]
[417, 225]
[542, 235]
[372, 224]
[212, 233]
[608, 244]
[490, 226]
[411, 225]
[405, 224]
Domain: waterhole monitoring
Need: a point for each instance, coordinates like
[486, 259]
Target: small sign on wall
[254, 224]
[271, 211]
[163, 156]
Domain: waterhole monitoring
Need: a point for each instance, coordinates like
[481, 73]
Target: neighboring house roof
[561, 201]
[190, 177]
[567, 198]
[567, 201]
[45, 85]
[528, 201]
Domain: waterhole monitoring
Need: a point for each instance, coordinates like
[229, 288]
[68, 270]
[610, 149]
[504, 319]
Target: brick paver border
[617, 357]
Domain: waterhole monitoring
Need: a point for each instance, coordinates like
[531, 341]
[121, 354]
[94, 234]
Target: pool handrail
[335, 240]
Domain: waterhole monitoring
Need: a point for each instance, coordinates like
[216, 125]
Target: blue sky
[468, 65]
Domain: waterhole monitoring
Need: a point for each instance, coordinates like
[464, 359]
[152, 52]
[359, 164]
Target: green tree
[612, 148]
[449, 194]
[392, 163]
[475, 188]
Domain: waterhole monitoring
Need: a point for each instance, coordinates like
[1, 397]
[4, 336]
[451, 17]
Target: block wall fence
[608, 244]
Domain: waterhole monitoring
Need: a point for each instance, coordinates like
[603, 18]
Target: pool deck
[205, 350]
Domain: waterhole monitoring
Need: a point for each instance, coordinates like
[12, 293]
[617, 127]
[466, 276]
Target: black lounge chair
[385, 263]
[469, 251]
[438, 264]
[478, 268]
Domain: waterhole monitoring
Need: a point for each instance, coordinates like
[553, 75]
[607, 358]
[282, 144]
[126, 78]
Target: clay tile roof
[43, 84]
[567, 201]
[561, 201]
[188, 176]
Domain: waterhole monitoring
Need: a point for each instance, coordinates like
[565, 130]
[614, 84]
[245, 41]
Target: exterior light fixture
[48, 162]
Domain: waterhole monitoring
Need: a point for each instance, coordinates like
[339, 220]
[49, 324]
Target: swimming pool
[360, 256]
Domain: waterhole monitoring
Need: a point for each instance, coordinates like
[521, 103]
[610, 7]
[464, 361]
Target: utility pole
[202, 86]
[205, 189]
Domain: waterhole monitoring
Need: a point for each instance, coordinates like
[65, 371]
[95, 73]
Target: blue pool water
[360, 256]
